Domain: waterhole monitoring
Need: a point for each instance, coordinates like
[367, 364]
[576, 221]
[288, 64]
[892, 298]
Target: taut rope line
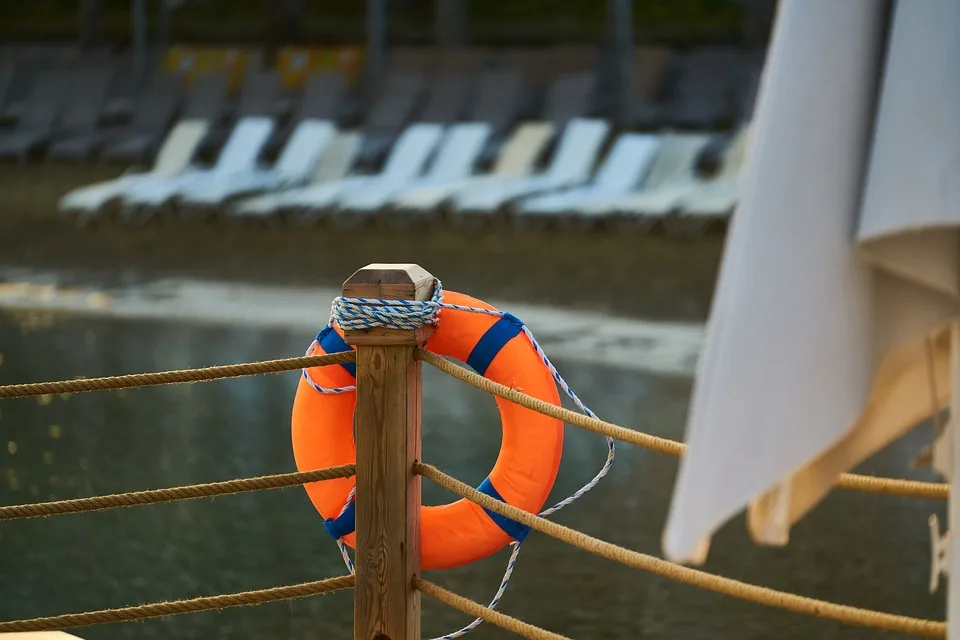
[472, 608]
[695, 577]
[853, 481]
[189, 492]
[180, 376]
[176, 607]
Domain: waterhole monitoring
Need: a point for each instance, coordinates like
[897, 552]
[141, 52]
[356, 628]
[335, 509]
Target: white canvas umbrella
[830, 330]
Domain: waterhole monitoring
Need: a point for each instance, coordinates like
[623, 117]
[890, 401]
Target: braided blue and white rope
[368, 313]
[344, 551]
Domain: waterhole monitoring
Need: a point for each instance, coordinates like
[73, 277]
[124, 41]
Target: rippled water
[858, 549]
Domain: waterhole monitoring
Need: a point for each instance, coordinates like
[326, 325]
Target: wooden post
[386, 607]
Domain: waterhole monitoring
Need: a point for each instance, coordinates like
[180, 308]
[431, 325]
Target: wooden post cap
[389, 282]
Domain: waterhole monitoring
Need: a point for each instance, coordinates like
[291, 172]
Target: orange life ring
[460, 532]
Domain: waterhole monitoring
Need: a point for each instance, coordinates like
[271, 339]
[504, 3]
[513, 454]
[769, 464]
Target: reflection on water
[858, 549]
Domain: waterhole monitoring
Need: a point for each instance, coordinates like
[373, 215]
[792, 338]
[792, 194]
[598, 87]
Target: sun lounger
[626, 164]
[715, 198]
[455, 160]
[405, 162]
[498, 102]
[448, 102]
[670, 198]
[238, 155]
[670, 178]
[295, 166]
[174, 156]
[335, 163]
[320, 104]
[517, 159]
[572, 164]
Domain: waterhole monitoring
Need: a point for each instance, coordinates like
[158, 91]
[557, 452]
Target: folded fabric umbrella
[830, 333]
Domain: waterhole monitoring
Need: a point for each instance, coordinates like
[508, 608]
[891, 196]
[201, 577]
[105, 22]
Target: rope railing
[178, 607]
[172, 494]
[711, 582]
[179, 376]
[398, 314]
[852, 481]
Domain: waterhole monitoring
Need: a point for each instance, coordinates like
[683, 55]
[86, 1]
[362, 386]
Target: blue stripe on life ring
[503, 331]
[344, 524]
[331, 342]
[512, 528]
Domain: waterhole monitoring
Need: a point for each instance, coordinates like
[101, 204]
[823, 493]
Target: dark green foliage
[492, 22]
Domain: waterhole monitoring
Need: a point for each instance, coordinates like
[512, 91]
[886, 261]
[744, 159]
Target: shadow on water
[858, 549]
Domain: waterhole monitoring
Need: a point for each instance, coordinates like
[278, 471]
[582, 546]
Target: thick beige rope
[871, 484]
[477, 610]
[179, 376]
[161, 609]
[889, 486]
[189, 492]
[701, 579]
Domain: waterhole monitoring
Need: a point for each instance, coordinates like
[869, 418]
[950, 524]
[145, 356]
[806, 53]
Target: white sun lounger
[295, 166]
[669, 175]
[334, 165]
[625, 165]
[717, 197]
[517, 159]
[573, 162]
[238, 155]
[658, 200]
[174, 156]
[406, 160]
[459, 149]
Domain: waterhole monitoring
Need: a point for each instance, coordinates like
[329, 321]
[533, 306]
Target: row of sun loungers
[464, 145]
[635, 178]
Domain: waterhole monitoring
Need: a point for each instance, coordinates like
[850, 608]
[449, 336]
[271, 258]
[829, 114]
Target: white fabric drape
[828, 334]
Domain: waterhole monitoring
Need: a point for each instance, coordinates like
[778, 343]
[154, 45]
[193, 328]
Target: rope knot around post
[358, 313]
